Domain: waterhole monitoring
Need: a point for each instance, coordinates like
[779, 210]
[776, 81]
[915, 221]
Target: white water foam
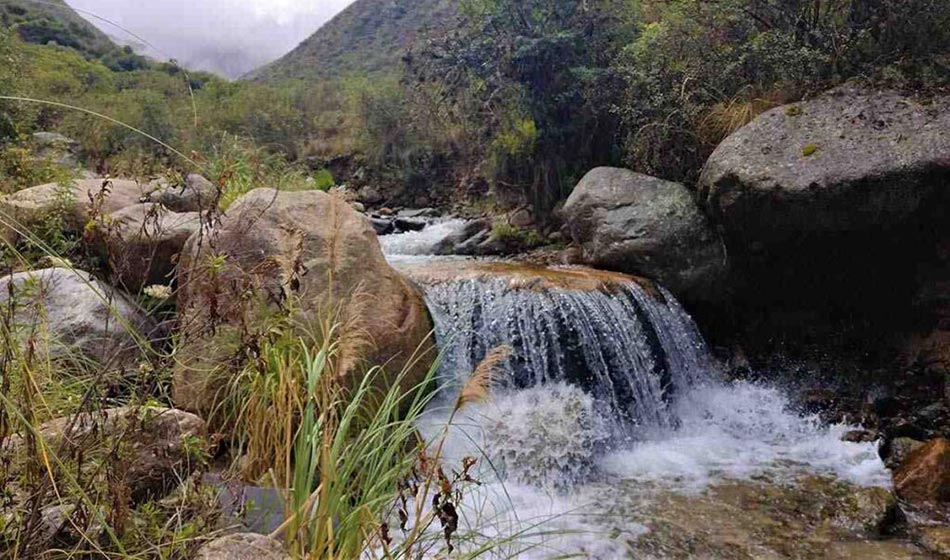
[421, 242]
[738, 431]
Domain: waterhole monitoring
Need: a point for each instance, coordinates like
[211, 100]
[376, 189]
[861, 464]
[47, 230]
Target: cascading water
[610, 403]
[632, 350]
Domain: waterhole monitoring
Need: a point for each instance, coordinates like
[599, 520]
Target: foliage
[699, 70]
[53, 21]
[530, 77]
[10, 65]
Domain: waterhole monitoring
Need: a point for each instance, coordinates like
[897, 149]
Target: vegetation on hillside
[368, 37]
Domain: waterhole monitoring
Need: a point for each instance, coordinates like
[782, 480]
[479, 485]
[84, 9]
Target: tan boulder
[66, 206]
[242, 546]
[925, 474]
[309, 251]
[142, 243]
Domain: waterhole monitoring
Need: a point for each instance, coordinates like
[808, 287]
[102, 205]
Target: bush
[699, 70]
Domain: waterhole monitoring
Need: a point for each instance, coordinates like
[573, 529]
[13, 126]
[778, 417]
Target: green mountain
[369, 36]
[53, 21]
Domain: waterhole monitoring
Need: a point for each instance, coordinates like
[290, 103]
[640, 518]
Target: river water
[611, 432]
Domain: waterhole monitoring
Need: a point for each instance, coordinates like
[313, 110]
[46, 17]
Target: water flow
[632, 350]
[588, 366]
[423, 242]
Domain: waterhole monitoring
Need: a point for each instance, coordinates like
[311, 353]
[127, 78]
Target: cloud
[230, 37]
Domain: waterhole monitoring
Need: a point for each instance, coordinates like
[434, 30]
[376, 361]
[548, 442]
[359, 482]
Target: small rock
[418, 213]
[935, 540]
[859, 436]
[925, 475]
[521, 218]
[382, 226]
[403, 224]
[358, 206]
[870, 510]
[385, 212]
[897, 450]
[556, 237]
[196, 195]
[242, 546]
[819, 400]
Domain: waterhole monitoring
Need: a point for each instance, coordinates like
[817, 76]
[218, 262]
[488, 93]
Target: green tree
[534, 77]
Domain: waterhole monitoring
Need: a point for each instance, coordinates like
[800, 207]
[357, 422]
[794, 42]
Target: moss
[809, 150]
[793, 110]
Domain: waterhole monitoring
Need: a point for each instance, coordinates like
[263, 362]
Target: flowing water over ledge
[612, 435]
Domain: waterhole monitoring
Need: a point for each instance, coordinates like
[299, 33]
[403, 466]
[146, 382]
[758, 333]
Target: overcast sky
[230, 37]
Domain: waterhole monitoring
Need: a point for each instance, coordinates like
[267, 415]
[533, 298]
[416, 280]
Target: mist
[227, 37]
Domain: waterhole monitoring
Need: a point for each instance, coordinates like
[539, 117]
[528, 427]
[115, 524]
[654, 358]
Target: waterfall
[631, 349]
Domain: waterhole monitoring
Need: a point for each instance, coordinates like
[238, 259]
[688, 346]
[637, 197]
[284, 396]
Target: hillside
[54, 21]
[369, 36]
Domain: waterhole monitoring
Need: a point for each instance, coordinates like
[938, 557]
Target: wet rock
[924, 477]
[638, 224]
[870, 510]
[77, 314]
[405, 224]
[458, 242]
[382, 226]
[935, 540]
[847, 161]
[308, 247]
[895, 451]
[413, 213]
[812, 517]
[197, 194]
[242, 546]
[143, 242]
[859, 436]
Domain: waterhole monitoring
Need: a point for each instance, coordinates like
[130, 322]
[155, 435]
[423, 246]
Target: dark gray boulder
[847, 161]
[643, 225]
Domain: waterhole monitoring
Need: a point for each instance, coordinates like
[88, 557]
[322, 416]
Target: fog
[228, 37]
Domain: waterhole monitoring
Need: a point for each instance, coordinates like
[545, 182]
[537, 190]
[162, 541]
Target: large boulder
[925, 474]
[847, 161]
[642, 225]
[75, 317]
[143, 242]
[66, 207]
[309, 251]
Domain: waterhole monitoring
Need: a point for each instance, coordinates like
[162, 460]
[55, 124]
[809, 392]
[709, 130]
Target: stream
[612, 433]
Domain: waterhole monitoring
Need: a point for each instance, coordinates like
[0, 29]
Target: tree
[533, 78]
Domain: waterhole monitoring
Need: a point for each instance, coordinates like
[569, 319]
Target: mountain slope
[369, 36]
[54, 21]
